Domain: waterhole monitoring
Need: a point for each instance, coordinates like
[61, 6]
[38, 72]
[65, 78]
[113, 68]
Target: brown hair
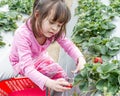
[61, 13]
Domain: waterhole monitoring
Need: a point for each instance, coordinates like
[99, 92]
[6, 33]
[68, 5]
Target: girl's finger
[75, 71]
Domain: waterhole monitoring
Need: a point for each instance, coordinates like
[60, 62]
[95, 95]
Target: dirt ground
[54, 48]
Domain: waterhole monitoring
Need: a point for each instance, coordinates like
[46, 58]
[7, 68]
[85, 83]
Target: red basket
[29, 92]
[20, 87]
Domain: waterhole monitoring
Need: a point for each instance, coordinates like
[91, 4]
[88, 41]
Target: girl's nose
[55, 27]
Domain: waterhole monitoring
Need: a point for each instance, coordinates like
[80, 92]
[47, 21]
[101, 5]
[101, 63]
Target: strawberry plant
[8, 21]
[92, 35]
[101, 47]
[22, 6]
[92, 21]
[3, 2]
[115, 5]
[99, 78]
[25, 6]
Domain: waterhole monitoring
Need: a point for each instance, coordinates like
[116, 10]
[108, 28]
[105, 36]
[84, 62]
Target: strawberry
[69, 86]
[98, 60]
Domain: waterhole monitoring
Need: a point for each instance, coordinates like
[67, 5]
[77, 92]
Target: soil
[54, 48]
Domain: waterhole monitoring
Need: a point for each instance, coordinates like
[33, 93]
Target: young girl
[28, 53]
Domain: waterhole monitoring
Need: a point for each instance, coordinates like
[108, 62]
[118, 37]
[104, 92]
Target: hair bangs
[61, 13]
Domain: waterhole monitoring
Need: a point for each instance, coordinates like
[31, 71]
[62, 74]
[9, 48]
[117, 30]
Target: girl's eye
[51, 22]
[54, 23]
[59, 25]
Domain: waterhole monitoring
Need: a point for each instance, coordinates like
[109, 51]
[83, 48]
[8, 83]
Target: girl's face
[50, 27]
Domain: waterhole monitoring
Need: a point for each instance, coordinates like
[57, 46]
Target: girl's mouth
[51, 33]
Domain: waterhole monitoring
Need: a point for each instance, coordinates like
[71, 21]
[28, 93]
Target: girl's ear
[36, 14]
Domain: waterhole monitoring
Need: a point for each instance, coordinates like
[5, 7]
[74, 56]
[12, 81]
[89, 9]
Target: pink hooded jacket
[27, 53]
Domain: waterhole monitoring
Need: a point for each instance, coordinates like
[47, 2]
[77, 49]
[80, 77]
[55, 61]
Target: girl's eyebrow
[54, 21]
[50, 18]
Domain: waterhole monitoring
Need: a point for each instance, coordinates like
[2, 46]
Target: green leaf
[111, 26]
[113, 88]
[84, 86]
[105, 68]
[113, 45]
[95, 40]
[104, 76]
[94, 76]
[77, 79]
[113, 77]
[95, 49]
[103, 50]
[84, 73]
[112, 52]
[101, 84]
[106, 57]
[104, 26]
[77, 39]
[117, 39]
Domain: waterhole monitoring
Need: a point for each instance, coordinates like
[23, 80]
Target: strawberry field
[96, 36]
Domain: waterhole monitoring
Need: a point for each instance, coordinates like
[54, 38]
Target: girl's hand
[58, 85]
[80, 64]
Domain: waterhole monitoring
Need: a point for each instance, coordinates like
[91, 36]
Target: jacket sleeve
[26, 64]
[70, 48]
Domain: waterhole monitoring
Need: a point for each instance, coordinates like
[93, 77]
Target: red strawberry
[69, 86]
[98, 60]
